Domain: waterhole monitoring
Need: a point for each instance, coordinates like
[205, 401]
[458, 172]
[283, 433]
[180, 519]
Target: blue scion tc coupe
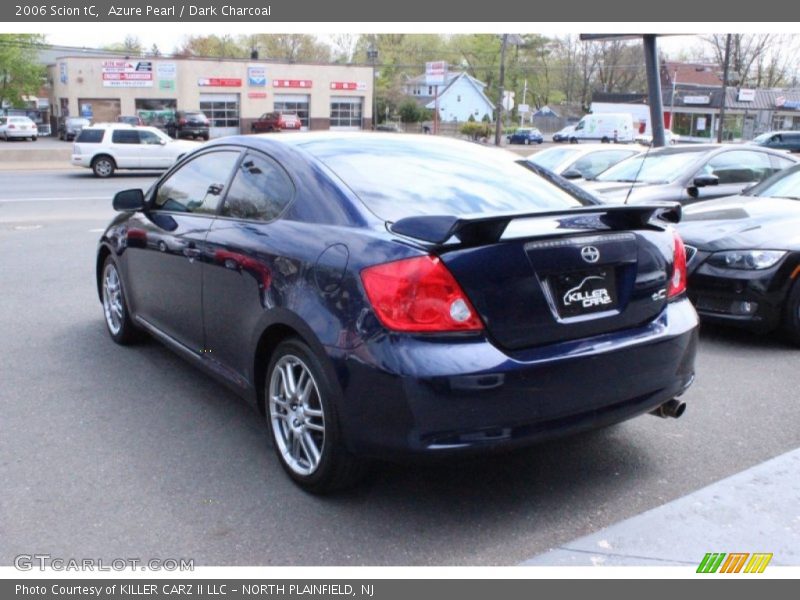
[382, 296]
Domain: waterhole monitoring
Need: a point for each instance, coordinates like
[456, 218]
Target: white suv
[106, 148]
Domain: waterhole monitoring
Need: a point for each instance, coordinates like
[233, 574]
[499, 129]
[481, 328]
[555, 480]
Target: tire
[791, 315]
[34, 138]
[605, 140]
[300, 408]
[103, 166]
[115, 306]
[573, 140]
[540, 142]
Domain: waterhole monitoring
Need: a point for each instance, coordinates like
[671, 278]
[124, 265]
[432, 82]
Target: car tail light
[677, 284]
[182, 122]
[419, 295]
[12, 127]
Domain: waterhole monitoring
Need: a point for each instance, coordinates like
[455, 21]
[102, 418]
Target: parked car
[346, 293]
[188, 123]
[604, 127]
[779, 140]
[70, 127]
[744, 256]
[583, 160]
[562, 135]
[687, 173]
[526, 135]
[646, 139]
[16, 128]
[275, 121]
[121, 146]
[130, 120]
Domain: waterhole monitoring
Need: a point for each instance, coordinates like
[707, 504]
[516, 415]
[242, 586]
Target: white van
[604, 127]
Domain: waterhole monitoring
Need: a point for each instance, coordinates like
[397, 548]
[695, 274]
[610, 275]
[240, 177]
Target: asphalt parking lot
[115, 452]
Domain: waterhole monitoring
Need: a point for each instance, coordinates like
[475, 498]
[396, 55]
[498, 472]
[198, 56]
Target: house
[459, 97]
[690, 74]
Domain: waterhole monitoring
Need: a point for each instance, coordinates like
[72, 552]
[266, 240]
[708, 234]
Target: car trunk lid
[559, 275]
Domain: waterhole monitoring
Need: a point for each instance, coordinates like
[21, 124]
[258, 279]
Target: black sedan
[744, 256]
[377, 295]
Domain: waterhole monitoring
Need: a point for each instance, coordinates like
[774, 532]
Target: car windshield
[665, 167]
[552, 157]
[401, 178]
[785, 184]
[523, 131]
[764, 137]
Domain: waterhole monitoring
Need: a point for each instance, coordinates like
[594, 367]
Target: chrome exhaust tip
[670, 409]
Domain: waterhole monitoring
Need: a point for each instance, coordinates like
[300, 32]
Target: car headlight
[746, 259]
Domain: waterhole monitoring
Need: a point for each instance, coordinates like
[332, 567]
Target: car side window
[739, 166]
[260, 190]
[779, 163]
[198, 185]
[148, 137]
[124, 136]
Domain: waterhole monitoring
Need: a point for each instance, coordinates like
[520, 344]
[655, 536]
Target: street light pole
[501, 86]
[372, 56]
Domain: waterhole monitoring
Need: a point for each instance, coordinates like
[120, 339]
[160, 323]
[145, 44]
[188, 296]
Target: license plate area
[579, 293]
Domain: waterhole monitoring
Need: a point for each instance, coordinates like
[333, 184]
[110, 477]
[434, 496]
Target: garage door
[222, 111]
[294, 103]
[102, 110]
[346, 113]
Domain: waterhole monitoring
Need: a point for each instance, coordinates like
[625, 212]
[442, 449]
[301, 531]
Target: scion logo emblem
[590, 254]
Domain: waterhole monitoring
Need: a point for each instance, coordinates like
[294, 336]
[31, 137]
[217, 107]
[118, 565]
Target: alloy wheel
[296, 415]
[113, 307]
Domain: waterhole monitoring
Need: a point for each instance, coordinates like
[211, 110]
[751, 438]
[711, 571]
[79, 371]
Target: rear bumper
[422, 396]
[17, 133]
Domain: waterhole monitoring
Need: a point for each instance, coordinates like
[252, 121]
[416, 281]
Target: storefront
[232, 93]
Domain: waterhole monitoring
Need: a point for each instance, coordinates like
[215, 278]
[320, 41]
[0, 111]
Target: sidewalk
[757, 510]
[39, 165]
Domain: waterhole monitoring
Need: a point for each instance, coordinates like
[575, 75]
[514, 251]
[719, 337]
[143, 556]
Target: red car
[275, 121]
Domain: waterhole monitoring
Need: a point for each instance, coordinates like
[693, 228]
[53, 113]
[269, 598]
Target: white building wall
[460, 101]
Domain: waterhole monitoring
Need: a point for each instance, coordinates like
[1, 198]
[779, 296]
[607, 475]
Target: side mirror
[129, 200]
[705, 180]
[162, 142]
[572, 174]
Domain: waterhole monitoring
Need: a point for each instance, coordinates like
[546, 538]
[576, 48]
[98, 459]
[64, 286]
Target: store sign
[291, 83]
[127, 73]
[256, 76]
[524, 108]
[87, 111]
[782, 102]
[219, 82]
[435, 72]
[700, 124]
[62, 70]
[349, 85]
[746, 95]
[166, 70]
[257, 95]
[166, 84]
[697, 99]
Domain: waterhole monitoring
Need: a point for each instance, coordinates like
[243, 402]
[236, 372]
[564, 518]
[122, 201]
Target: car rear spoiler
[480, 229]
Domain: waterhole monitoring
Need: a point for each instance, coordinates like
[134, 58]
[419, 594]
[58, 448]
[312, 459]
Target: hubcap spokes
[112, 299]
[296, 415]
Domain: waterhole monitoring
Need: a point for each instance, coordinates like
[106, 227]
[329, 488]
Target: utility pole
[372, 56]
[672, 102]
[499, 125]
[524, 93]
[724, 88]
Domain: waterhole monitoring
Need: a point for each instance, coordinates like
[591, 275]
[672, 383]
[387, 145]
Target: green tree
[291, 47]
[130, 45]
[409, 112]
[21, 74]
[217, 46]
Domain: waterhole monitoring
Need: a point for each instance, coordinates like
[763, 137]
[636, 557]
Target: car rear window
[90, 136]
[398, 179]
